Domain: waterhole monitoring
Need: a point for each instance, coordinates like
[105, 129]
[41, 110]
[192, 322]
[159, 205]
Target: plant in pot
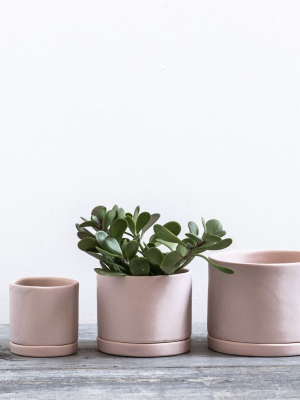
[144, 293]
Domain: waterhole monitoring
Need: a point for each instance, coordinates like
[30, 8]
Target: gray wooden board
[200, 374]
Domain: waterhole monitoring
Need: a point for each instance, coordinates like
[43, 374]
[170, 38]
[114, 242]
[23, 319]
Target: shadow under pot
[144, 316]
[44, 317]
[255, 311]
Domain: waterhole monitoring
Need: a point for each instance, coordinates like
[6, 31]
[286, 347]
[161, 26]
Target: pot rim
[183, 271]
[66, 282]
[219, 258]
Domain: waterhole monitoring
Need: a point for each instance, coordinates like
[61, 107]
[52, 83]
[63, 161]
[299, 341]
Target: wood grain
[200, 374]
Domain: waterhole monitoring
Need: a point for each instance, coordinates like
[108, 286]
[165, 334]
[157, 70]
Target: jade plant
[118, 242]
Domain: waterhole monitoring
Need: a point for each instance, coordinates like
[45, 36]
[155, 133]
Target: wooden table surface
[200, 374]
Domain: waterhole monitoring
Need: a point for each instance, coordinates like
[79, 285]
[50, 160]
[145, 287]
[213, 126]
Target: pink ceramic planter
[144, 316]
[44, 317]
[255, 311]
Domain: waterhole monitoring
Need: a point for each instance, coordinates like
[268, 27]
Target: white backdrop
[188, 108]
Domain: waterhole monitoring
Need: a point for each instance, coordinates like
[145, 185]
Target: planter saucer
[44, 351]
[144, 349]
[254, 349]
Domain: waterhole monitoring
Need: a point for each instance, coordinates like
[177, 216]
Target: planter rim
[182, 271]
[230, 257]
[57, 282]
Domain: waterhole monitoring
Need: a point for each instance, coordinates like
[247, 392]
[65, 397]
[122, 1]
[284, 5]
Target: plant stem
[126, 233]
[143, 250]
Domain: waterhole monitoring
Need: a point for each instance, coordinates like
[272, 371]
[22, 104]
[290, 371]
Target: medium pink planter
[255, 311]
[144, 316]
[44, 317]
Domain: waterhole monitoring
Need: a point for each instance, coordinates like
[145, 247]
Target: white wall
[188, 108]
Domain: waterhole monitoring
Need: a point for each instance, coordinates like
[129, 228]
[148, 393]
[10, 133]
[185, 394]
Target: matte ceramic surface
[137, 309]
[258, 305]
[144, 350]
[253, 349]
[43, 315]
[44, 351]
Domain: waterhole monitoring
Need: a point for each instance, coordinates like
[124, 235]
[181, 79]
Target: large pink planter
[255, 311]
[44, 317]
[144, 316]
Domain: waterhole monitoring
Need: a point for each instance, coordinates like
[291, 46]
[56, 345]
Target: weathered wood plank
[89, 357]
[167, 383]
[201, 373]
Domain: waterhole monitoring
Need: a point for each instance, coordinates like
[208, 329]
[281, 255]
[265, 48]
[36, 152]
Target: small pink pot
[255, 311]
[44, 317]
[144, 316]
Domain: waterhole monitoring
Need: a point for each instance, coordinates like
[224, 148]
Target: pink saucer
[144, 349]
[254, 349]
[44, 351]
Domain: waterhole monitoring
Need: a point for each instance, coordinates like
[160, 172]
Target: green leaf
[123, 246]
[169, 245]
[169, 262]
[193, 228]
[101, 215]
[131, 249]
[151, 245]
[182, 250]
[118, 267]
[209, 238]
[107, 260]
[187, 241]
[158, 241]
[221, 233]
[83, 219]
[204, 225]
[95, 220]
[107, 253]
[100, 237]
[185, 263]
[142, 220]
[87, 244]
[163, 233]
[80, 229]
[139, 266]
[136, 213]
[82, 235]
[88, 223]
[96, 210]
[153, 219]
[154, 256]
[97, 255]
[121, 213]
[203, 248]
[173, 227]
[108, 273]
[104, 266]
[131, 224]
[108, 219]
[115, 208]
[218, 267]
[221, 245]
[118, 227]
[194, 238]
[153, 239]
[214, 226]
[112, 245]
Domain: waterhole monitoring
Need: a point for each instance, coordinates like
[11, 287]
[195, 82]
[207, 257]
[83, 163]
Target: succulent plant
[118, 243]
